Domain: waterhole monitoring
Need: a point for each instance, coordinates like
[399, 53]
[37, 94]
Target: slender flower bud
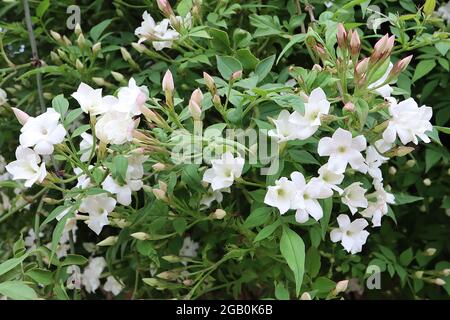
[439, 282]
[355, 43]
[319, 49]
[361, 67]
[111, 240]
[162, 185]
[401, 65]
[78, 64]
[430, 252]
[167, 275]
[55, 35]
[21, 116]
[380, 46]
[159, 166]
[341, 36]
[55, 58]
[78, 30]
[67, 41]
[48, 95]
[160, 195]
[341, 286]
[99, 81]
[446, 272]
[96, 48]
[81, 41]
[125, 54]
[195, 104]
[167, 82]
[138, 47]
[392, 170]
[418, 274]
[140, 235]
[118, 76]
[165, 8]
[197, 96]
[349, 106]
[411, 163]
[317, 67]
[216, 101]
[209, 81]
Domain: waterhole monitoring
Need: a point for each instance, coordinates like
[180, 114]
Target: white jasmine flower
[43, 132]
[351, 234]
[189, 248]
[74, 280]
[378, 204]
[131, 98]
[408, 122]
[3, 97]
[224, 171]
[305, 199]
[373, 162]
[26, 167]
[91, 100]
[342, 149]
[83, 180]
[281, 195]
[71, 225]
[383, 146]
[385, 90]
[91, 275]
[86, 146]
[98, 207]
[113, 286]
[353, 197]
[212, 196]
[330, 179]
[122, 192]
[115, 128]
[135, 168]
[159, 34]
[285, 129]
[185, 22]
[308, 123]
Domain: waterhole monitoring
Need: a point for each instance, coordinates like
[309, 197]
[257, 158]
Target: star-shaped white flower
[115, 127]
[189, 248]
[91, 100]
[373, 162]
[285, 130]
[27, 167]
[113, 286]
[353, 197]
[122, 192]
[280, 195]
[330, 179]
[351, 234]
[224, 171]
[131, 98]
[308, 123]
[342, 150]
[408, 122]
[91, 275]
[378, 204]
[43, 132]
[98, 207]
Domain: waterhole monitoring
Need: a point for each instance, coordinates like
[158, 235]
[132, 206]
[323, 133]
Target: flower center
[342, 149]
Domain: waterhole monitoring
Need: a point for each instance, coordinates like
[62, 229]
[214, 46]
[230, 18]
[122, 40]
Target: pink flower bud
[341, 36]
[355, 43]
[197, 96]
[349, 107]
[195, 110]
[381, 44]
[21, 116]
[165, 7]
[167, 82]
[209, 81]
[236, 75]
[341, 286]
[362, 67]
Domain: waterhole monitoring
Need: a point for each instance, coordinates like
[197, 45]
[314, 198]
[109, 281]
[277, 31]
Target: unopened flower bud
[446, 272]
[341, 286]
[217, 102]
[341, 36]
[55, 58]
[439, 282]
[305, 296]
[210, 84]
[78, 65]
[167, 82]
[99, 81]
[140, 235]
[111, 240]
[188, 282]
[55, 35]
[392, 171]
[172, 258]
[159, 166]
[81, 41]
[195, 110]
[236, 75]
[355, 43]
[77, 29]
[219, 214]
[167, 275]
[401, 65]
[162, 185]
[48, 95]
[138, 47]
[165, 8]
[427, 182]
[320, 51]
[317, 67]
[411, 163]
[349, 107]
[96, 48]
[50, 200]
[361, 67]
[160, 195]
[418, 274]
[430, 252]
[117, 76]
[21, 116]
[67, 41]
[125, 54]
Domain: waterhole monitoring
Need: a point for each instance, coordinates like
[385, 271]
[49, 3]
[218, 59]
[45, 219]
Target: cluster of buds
[348, 41]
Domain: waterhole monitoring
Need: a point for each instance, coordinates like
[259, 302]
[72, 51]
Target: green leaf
[403, 198]
[60, 104]
[443, 129]
[227, 66]
[267, 231]
[327, 206]
[81, 129]
[180, 225]
[72, 116]
[220, 40]
[302, 156]
[17, 290]
[293, 250]
[432, 157]
[12, 263]
[97, 30]
[312, 262]
[281, 293]
[294, 40]
[57, 232]
[74, 259]
[55, 212]
[246, 57]
[257, 217]
[42, 8]
[120, 166]
[428, 7]
[191, 177]
[423, 68]
[183, 7]
[41, 276]
[406, 257]
[263, 68]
